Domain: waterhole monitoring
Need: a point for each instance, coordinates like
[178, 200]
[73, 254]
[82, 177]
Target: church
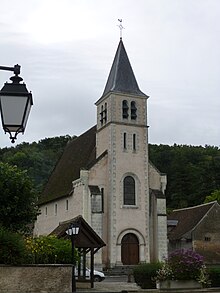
[105, 176]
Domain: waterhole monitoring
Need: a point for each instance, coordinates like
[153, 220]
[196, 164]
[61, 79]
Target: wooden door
[130, 249]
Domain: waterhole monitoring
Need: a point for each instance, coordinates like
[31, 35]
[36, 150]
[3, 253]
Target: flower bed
[183, 264]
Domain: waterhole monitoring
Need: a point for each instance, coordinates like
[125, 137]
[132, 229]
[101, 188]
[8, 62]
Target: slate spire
[121, 78]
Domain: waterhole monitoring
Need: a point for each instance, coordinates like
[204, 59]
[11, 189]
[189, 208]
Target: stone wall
[35, 278]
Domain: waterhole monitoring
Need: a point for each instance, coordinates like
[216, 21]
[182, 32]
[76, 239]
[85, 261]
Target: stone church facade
[105, 175]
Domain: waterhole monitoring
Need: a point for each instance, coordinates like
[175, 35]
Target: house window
[133, 111]
[67, 205]
[125, 140]
[125, 109]
[134, 142]
[45, 211]
[207, 239]
[55, 209]
[129, 190]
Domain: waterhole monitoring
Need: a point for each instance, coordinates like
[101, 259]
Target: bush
[48, 250]
[12, 247]
[184, 264]
[214, 276]
[144, 275]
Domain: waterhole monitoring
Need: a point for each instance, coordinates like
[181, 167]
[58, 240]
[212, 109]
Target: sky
[66, 49]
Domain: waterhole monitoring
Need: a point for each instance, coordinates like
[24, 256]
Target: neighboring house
[105, 176]
[197, 228]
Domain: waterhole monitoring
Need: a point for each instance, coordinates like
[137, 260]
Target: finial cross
[120, 27]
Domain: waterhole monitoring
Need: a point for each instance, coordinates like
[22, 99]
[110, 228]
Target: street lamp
[73, 231]
[15, 104]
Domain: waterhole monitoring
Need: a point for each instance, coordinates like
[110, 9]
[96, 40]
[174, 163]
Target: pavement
[116, 287]
[121, 284]
[114, 284]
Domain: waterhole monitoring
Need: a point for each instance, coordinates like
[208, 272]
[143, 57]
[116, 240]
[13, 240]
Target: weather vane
[120, 27]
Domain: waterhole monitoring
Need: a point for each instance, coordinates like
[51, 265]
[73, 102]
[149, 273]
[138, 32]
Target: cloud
[66, 54]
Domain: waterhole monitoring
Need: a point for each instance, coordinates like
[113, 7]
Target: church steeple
[121, 78]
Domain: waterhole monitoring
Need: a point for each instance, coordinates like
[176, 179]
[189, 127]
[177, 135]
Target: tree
[192, 172]
[38, 159]
[215, 195]
[13, 249]
[17, 199]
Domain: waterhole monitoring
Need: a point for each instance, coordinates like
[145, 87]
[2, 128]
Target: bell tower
[122, 102]
[122, 132]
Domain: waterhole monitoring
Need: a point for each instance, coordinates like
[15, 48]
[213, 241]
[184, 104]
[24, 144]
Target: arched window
[67, 205]
[133, 110]
[129, 190]
[103, 114]
[134, 142]
[55, 209]
[125, 109]
[125, 140]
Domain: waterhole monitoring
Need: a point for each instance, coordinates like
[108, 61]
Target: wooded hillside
[38, 159]
[193, 172]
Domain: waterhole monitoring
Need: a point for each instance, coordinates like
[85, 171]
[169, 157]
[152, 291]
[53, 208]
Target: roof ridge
[194, 207]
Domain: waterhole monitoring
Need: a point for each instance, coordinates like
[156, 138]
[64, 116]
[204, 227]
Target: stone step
[120, 270]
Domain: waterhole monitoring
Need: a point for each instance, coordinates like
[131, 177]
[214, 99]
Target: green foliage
[12, 247]
[214, 276]
[193, 172]
[38, 159]
[15, 249]
[144, 275]
[49, 250]
[215, 195]
[17, 200]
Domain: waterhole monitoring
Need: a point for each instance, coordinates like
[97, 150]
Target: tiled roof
[87, 237]
[121, 78]
[187, 219]
[78, 154]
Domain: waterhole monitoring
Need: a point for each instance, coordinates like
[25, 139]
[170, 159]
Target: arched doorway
[130, 249]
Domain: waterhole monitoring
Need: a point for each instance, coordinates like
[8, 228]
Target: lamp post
[73, 231]
[15, 104]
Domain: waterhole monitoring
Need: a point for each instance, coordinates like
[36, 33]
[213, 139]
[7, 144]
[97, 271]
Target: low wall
[35, 278]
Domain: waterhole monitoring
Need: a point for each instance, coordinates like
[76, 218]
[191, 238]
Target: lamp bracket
[16, 69]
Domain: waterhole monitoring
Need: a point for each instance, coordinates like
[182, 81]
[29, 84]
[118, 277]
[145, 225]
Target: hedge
[144, 274]
[16, 249]
[214, 276]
